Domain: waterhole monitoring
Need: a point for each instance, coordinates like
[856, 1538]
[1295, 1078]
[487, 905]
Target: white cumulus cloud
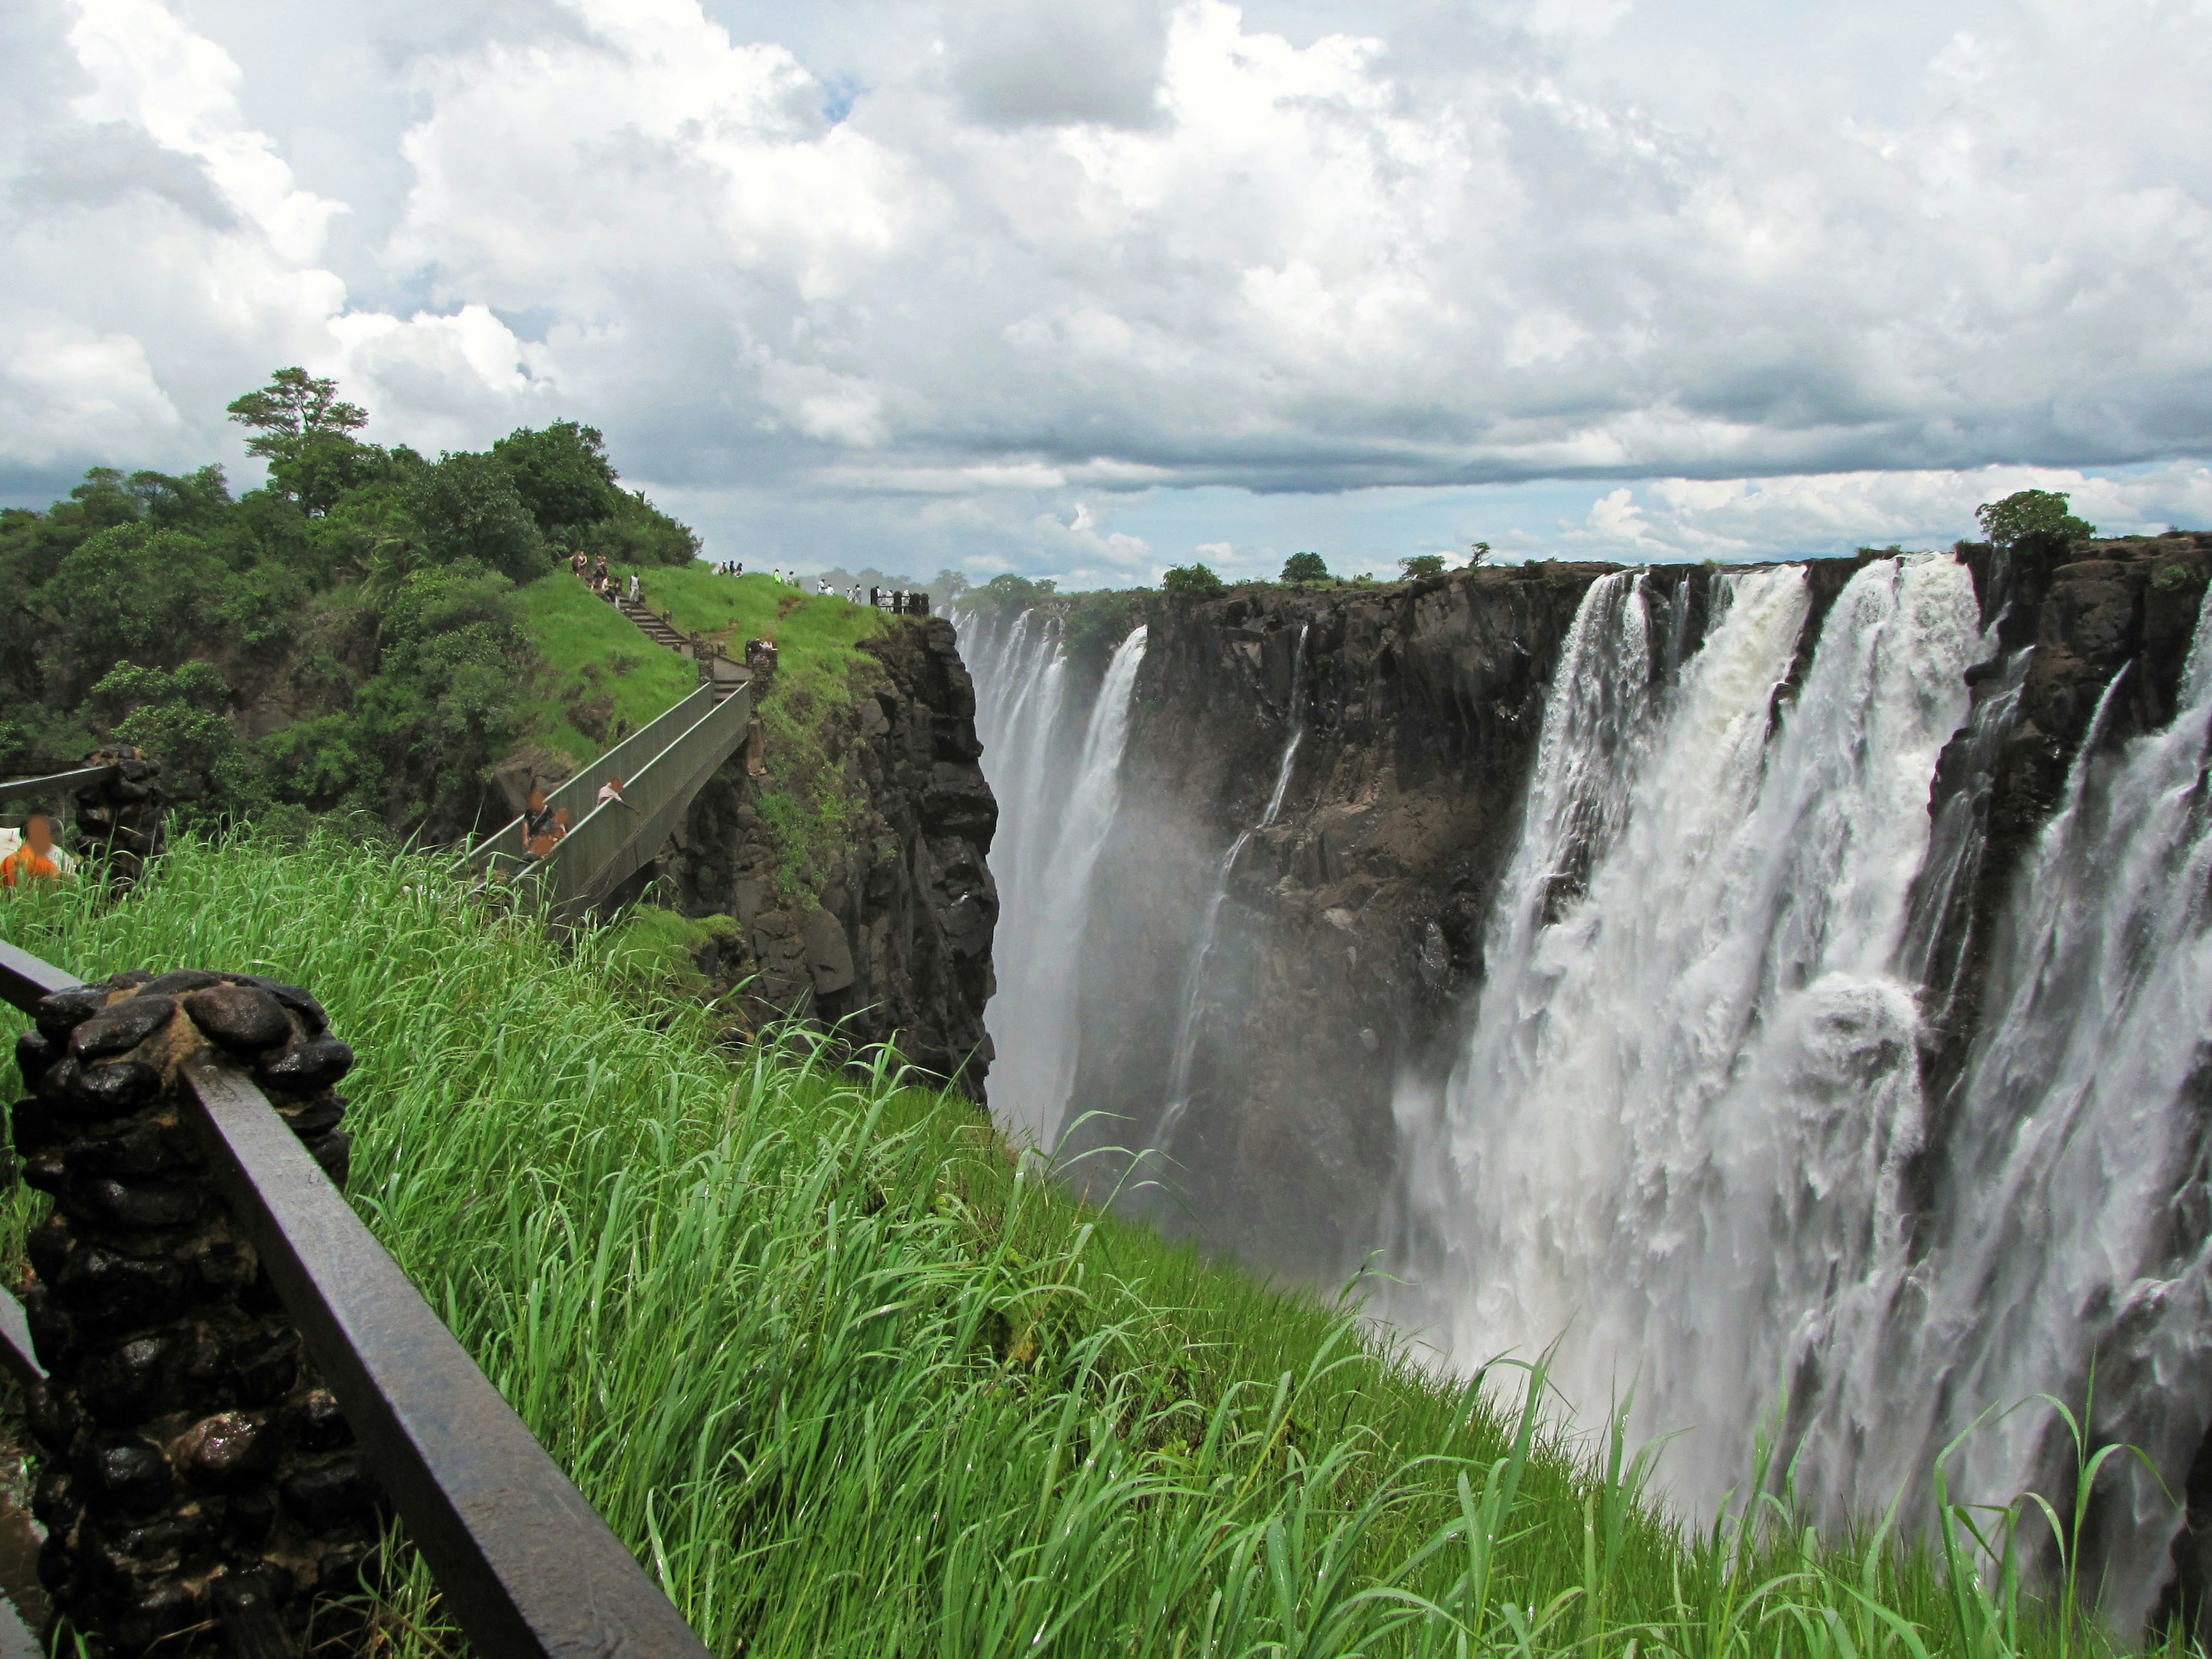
[958, 278]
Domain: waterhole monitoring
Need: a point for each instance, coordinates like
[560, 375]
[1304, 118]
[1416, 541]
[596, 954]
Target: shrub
[1192, 579]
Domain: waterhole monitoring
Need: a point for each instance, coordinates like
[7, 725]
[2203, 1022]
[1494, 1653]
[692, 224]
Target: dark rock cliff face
[1347, 946]
[1352, 927]
[2090, 612]
[895, 946]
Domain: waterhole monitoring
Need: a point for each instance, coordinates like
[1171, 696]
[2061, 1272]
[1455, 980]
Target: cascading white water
[1020, 680]
[1053, 822]
[1685, 1129]
[1675, 1137]
[1197, 976]
[2074, 1221]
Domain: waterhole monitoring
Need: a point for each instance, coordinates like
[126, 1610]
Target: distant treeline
[346, 638]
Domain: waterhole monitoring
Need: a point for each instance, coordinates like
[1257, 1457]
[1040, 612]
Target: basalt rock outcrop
[193, 1467]
[891, 941]
[1353, 925]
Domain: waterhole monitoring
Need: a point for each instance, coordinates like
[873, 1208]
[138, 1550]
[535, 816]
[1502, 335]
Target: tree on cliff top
[1418, 565]
[1192, 579]
[2039, 514]
[305, 431]
[1305, 567]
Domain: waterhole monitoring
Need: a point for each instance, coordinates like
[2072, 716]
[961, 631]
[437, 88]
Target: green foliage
[1194, 580]
[813, 797]
[853, 1376]
[639, 533]
[2040, 515]
[305, 431]
[595, 678]
[466, 507]
[182, 716]
[1305, 567]
[1418, 565]
[658, 950]
[1093, 624]
[360, 612]
[1007, 595]
[1476, 553]
[562, 475]
[2180, 578]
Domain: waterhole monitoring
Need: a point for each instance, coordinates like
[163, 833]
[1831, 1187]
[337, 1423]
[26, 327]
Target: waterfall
[1020, 680]
[2076, 1218]
[1052, 824]
[1676, 1135]
[1955, 851]
[1197, 978]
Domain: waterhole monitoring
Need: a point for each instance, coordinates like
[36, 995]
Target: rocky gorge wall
[1347, 946]
[888, 936]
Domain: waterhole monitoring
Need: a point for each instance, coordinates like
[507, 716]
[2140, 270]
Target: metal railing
[528, 1567]
[617, 839]
[633, 754]
[58, 783]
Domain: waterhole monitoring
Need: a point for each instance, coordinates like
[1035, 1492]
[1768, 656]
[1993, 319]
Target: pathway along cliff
[1773, 985]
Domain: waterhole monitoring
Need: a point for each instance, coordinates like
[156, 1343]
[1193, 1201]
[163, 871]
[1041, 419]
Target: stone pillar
[119, 821]
[192, 1467]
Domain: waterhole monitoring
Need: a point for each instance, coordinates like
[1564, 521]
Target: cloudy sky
[1092, 289]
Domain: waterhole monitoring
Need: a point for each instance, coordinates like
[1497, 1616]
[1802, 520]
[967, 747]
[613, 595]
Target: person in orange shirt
[38, 859]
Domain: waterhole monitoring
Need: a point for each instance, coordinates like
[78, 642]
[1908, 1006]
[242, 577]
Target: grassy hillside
[598, 678]
[852, 1378]
[806, 627]
[811, 798]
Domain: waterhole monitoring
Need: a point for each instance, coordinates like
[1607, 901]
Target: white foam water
[1675, 1138]
[1053, 820]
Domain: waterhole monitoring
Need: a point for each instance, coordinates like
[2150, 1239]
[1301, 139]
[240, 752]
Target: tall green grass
[851, 1377]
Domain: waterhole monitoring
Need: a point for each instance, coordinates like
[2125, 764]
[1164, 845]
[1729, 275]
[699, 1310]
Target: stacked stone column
[192, 1466]
[119, 821]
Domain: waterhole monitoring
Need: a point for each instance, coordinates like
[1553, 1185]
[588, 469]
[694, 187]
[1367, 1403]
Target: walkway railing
[526, 1565]
[58, 783]
[616, 839]
[633, 754]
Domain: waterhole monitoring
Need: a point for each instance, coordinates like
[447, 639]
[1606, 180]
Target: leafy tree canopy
[1422, 564]
[1192, 579]
[2040, 514]
[346, 639]
[1305, 567]
[562, 475]
[292, 410]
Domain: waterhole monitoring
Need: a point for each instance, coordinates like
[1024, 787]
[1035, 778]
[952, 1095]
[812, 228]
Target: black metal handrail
[527, 1564]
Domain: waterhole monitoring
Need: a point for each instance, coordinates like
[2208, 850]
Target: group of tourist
[730, 568]
[31, 854]
[603, 581]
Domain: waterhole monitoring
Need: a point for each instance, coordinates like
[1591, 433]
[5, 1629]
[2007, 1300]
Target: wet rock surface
[1351, 934]
[1351, 927]
[2092, 612]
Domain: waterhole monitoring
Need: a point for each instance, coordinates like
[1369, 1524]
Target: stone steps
[662, 634]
